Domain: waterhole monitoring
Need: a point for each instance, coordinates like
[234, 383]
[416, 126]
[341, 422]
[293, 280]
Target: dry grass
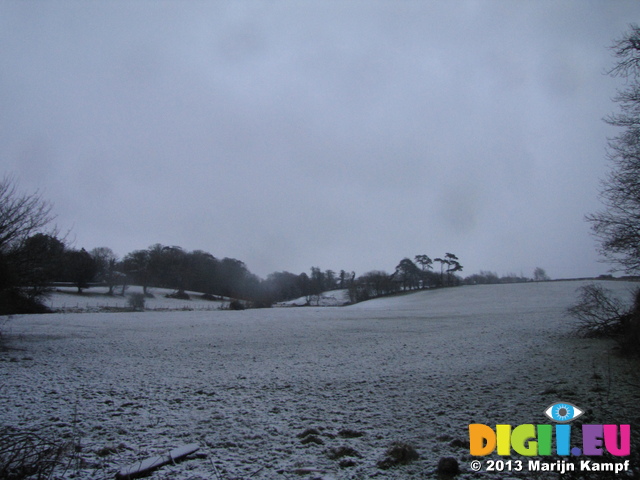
[28, 455]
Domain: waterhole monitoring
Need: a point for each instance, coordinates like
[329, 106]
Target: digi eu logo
[563, 412]
[531, 440]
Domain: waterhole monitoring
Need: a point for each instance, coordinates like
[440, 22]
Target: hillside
[95, 299]
[269, 393]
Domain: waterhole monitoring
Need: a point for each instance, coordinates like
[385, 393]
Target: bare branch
[597, 312]
[617, 227]
[21, 215]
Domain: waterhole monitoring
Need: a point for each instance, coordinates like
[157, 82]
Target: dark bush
[14, 301]
[136, 301]
[236, 305]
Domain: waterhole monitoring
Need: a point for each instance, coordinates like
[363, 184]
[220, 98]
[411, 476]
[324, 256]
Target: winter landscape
[309, 393]
[319, 240]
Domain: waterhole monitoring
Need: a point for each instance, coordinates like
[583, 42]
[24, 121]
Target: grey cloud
[345, 135]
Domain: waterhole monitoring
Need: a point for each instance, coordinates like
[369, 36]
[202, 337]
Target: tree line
[33, 260]
[42, 260]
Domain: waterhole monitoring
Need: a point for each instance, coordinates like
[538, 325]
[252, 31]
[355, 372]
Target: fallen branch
[147, 466]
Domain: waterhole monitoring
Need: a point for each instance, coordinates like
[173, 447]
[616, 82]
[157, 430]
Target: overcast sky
[344, 135]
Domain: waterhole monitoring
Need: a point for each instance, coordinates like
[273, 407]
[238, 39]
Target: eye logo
[563, 412]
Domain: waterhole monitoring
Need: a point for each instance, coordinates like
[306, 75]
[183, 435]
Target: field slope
[246, 385]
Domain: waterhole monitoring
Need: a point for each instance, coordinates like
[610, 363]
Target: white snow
[147, 465]
[245, 384]
[95, 299]
[331, 298]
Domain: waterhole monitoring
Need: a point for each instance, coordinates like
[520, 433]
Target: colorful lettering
[530, 440]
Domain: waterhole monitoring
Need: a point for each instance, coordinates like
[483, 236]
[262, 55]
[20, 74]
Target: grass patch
[399, 453]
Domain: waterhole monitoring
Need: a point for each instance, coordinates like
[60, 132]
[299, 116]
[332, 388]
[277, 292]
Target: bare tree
[617, 227]
[598, 312]
[21, 214]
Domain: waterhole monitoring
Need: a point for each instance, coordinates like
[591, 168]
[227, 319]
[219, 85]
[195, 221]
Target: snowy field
[246, 385]
[95, 299]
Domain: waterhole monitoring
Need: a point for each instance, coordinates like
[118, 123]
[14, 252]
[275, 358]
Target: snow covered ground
[95, 299]
[246, 385]
[332, 298]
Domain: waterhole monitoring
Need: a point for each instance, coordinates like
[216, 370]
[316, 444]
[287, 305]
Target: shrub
[599, 314]
[14, 301]
[236, 305]
[136, 301]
